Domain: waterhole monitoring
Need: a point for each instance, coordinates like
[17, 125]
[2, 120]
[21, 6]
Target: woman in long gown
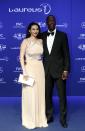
[33, 98]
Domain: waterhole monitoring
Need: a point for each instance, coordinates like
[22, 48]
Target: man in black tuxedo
[57, 64]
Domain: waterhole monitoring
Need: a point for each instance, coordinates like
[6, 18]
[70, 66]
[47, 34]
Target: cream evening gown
[33, 98]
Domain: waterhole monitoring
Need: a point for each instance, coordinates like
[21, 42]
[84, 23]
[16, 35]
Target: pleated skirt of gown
[33, 98]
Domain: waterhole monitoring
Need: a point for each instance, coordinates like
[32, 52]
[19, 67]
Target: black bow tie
[50, 33]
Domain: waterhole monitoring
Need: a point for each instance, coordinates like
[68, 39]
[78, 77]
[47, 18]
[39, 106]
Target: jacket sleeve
[66, 53]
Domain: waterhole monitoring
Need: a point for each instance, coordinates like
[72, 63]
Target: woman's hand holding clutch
[25, 77]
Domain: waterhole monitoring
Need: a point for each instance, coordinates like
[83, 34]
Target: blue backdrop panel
[78, 48]
[15, 17]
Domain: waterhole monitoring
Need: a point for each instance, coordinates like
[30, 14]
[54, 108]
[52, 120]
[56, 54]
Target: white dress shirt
[50, 40]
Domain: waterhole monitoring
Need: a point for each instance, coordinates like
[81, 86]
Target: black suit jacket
[59, 59]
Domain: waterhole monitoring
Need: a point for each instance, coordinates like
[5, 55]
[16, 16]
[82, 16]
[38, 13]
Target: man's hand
[65, 75]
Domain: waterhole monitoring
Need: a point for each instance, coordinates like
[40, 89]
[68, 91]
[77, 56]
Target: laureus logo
[83, 25]
[4, 59]
[2, 47]
[15, 80]
[2, 80]
[19, 25]
[18, 69]
[44, 7]
[18, 58]
[1, 69]
[19, 36]
[82, 68]
[1, 25]
[82, 47]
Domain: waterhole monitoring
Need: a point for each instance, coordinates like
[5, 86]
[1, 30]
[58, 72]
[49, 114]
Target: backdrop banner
[14, 19]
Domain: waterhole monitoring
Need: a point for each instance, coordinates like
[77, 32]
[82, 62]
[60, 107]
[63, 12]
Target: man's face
[51, 23]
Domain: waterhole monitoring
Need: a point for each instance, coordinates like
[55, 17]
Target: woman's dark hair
[29, 27]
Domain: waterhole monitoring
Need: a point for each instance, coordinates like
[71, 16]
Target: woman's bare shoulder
[23, 43]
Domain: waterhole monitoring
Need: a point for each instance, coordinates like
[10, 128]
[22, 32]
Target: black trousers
[61, 87]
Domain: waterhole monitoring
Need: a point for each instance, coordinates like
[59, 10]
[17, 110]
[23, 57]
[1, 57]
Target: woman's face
[34, 30]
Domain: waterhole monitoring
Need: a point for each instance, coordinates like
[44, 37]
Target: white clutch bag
[30, 81]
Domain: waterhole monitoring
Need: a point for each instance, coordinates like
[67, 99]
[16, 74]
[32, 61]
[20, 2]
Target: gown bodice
[34, 50]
